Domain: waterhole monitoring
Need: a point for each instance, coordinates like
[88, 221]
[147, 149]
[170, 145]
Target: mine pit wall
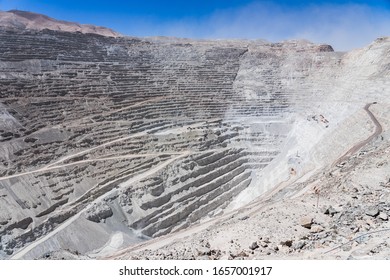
[245, 113]
[277, 75]
[326, 93]
[75, 93]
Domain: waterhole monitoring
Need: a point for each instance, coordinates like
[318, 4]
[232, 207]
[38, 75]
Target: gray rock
[383, 216]
[362, 239]
[322, 235]
[99, 212]
[299, 245]
[372, 211]
[331, 211]
[264, 244]
[266, 240]
[347, 247]
[254, 246]
[203, 251]
[287, 243]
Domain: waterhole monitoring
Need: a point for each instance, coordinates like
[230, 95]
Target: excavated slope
[107, 142]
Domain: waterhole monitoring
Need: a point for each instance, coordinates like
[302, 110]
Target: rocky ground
[340, 212]
[338, 215]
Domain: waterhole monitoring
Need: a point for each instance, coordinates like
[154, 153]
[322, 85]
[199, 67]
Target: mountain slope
[29, 20]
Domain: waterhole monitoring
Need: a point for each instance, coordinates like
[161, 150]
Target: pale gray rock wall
[165, 133]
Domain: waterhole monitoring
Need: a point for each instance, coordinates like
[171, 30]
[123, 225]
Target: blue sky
[343, 24]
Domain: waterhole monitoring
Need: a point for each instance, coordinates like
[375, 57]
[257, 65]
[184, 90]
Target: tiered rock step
[94, 111]
[62, 192]
[208, 182]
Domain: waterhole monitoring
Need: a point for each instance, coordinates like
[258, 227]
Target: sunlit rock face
[22, 20]
[119, 139]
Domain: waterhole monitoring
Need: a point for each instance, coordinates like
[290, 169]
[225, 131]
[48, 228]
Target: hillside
[22, 20]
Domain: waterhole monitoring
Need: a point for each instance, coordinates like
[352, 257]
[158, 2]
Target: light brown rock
[306, 221]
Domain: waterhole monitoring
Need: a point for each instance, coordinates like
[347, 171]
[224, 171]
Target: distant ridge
[16, 19]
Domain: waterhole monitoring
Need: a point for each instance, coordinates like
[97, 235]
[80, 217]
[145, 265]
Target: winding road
[361, 144]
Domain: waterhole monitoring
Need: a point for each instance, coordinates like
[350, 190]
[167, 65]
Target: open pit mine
[118, 147]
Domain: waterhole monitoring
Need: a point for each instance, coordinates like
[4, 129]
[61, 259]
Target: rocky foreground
[122, 147]
[342, 214]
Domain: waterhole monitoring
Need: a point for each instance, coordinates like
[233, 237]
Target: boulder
[372, 211]
[287, 243]
[299, 245]
[99, 212]
[306, 222]
[254, 246]
[316, 229]
[383, 216]
[331, 211]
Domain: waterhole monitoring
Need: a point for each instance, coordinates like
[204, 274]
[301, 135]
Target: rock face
[98, 212]
[163, 133]
[20, 20]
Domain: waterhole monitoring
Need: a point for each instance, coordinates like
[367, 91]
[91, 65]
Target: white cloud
[344, 26]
